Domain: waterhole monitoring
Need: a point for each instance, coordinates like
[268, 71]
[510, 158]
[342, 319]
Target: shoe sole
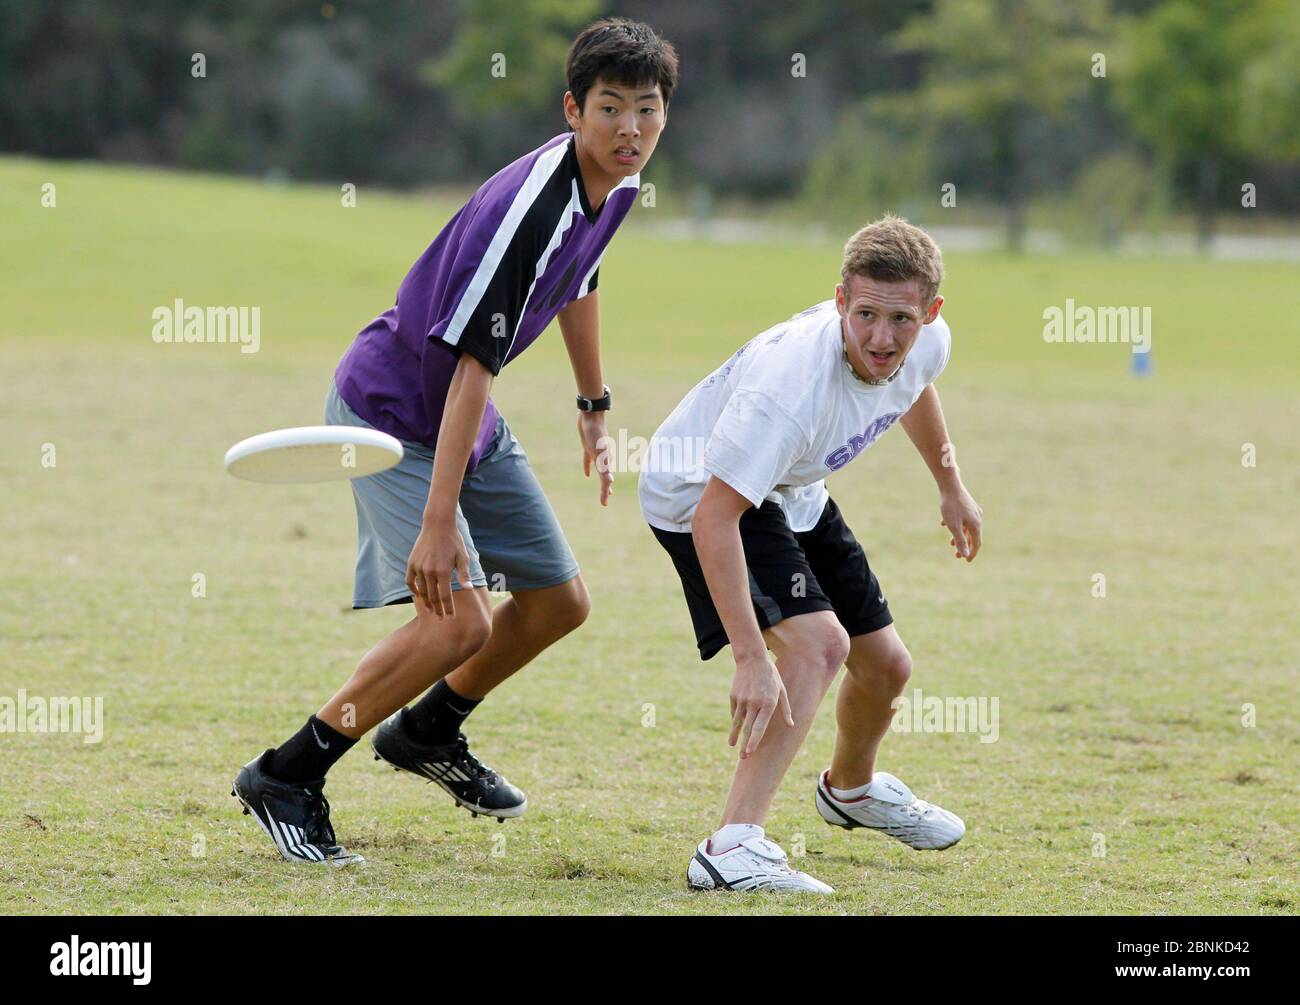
[696, 888]
[502, 815]
[714, 878]
[248, 812]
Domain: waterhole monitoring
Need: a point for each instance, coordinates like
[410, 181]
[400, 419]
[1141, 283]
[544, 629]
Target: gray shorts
[511, 534]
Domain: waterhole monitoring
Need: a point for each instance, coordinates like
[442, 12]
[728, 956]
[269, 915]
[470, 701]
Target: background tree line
[823, 103]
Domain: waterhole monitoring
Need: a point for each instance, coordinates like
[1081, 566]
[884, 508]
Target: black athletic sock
[437, 717]
[309, 753]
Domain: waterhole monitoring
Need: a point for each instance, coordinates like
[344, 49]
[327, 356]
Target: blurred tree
[509, 54]
[998, 65]
[1270, 113]
[1116, 190]
[1185, 70]
[868, 166]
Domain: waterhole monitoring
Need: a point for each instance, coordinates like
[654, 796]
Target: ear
[933, 312]
[572, 112]
[841, 298]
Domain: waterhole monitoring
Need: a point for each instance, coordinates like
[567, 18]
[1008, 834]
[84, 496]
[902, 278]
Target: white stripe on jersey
[583, 291]
[574, 206]
[566, 221]
[545, 166]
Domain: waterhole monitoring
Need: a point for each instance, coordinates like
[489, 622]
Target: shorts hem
[402, 597]
[541, 584]
[714, 644]
[865, 626]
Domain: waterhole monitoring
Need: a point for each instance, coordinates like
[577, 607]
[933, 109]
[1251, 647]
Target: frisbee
[313, 454]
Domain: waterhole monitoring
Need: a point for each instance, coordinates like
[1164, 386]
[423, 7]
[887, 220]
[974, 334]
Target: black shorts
[823, 569]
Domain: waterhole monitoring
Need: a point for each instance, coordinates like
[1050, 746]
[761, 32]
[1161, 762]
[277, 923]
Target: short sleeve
[754, 444]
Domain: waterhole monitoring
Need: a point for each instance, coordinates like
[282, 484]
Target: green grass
[1119, 716]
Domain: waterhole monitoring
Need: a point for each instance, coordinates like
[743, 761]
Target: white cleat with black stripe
[889, 806]
[451, 766]
[294, 816]
[754, 864]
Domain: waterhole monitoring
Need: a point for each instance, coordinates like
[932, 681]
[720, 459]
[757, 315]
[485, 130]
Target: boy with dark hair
[463, 507]
[768, 563]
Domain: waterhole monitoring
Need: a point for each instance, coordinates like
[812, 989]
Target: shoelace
[477, 767]
[916, 811]
[318, 828]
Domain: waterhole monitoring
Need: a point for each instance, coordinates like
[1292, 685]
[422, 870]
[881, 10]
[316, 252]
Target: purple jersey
[525, 245]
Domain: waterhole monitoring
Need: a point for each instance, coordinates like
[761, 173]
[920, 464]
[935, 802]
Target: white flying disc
[313, 454]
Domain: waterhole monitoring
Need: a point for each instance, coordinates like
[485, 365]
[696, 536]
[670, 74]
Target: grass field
[1119, 716]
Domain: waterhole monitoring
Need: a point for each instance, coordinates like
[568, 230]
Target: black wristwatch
[595, 404]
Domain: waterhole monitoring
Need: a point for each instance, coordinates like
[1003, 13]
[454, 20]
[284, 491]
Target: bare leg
[809, 650]
[878, 668]
[522, 626]
[407, 662]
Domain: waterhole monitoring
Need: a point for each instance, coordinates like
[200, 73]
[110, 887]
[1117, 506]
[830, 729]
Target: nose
[627, 126]
[876, 336]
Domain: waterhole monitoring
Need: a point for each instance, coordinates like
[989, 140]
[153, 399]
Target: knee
[573, 608]
[899, 668]
[893, 670]
[466, 633]
[829, 649]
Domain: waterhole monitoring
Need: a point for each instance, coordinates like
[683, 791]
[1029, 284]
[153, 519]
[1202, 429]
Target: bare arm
[440, 548]
[580, 326]
[757, 689]
[928, 432]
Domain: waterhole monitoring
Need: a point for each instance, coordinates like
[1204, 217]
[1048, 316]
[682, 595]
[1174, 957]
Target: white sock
[844, 795]
[727, 837]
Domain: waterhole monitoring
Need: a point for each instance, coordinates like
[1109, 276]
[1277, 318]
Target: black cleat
[296, 817]
[451, 765]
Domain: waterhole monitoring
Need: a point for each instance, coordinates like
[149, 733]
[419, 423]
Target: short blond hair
[894, 251]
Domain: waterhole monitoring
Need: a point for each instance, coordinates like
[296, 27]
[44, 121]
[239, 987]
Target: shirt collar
[870, 383]
[571, 159]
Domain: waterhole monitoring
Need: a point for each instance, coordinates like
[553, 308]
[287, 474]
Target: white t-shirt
[781, 414]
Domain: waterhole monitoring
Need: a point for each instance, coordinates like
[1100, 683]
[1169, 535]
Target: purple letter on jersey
[841, 456]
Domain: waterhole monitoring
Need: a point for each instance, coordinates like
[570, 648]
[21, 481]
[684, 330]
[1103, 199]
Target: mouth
[881, 358]
[626, 155]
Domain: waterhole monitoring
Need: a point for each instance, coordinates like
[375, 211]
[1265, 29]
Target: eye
[610, 109]
[648, 110]
[865, 313]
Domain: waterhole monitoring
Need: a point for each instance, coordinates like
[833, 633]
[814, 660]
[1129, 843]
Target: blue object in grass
[1142, 364]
